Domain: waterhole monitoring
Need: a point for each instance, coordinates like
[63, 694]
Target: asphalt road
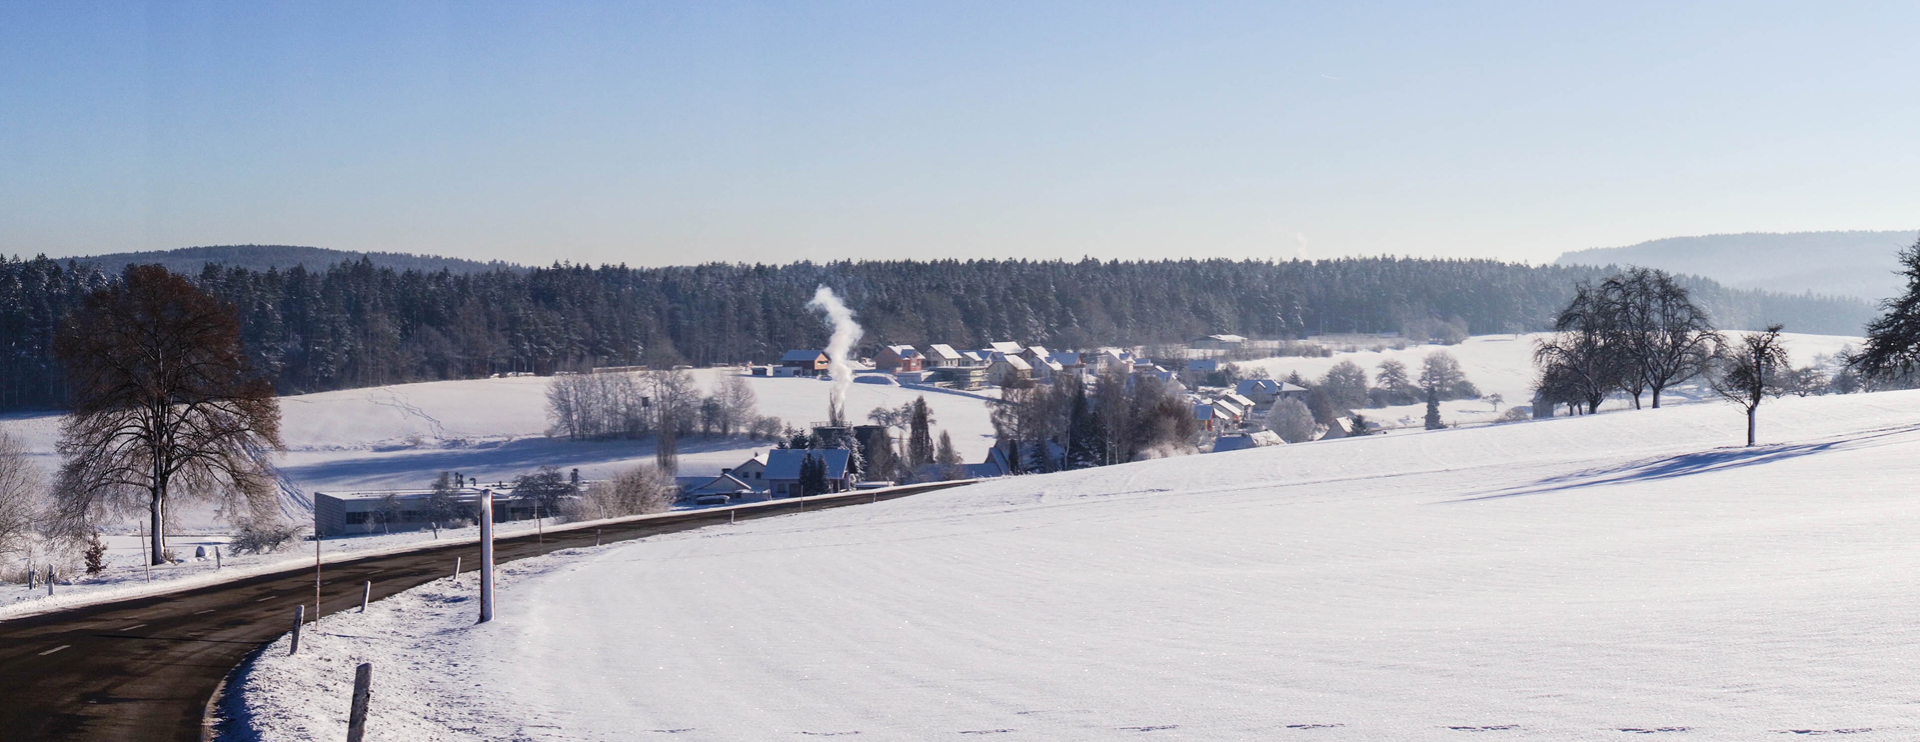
[146, 669]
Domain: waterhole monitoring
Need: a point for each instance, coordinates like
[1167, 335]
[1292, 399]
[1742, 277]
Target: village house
[1264, 392]
[390, 511]
[1005, 348]
[753, 471]
[803, 363]
[725, 484]
[943, 356]
[1008, 368]
[895, 359]
[783, 470]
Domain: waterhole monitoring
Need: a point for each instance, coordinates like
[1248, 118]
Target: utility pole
[486, 555]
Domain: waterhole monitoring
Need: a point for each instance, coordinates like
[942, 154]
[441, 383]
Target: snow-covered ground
[401, 436]
[1578, 578]
[1497, 364]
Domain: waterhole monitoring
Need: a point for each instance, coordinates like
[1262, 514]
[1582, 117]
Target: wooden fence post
[299, 617]
[357, 715]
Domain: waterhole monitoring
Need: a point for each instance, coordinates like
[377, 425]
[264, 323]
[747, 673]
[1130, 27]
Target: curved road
[147, 668]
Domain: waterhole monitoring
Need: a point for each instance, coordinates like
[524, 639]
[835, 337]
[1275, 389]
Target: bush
[1291, 420]
[637, 491]
[262, 537]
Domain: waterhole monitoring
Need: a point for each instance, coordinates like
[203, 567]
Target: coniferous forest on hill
[359, 323]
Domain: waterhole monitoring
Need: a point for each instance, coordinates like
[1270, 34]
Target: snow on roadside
[129, 580]
[425, 684]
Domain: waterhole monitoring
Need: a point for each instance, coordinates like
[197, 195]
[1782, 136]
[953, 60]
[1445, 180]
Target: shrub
[262, 537]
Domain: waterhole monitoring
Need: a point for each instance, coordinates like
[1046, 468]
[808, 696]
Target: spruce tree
[920, 438]
[1433, 409]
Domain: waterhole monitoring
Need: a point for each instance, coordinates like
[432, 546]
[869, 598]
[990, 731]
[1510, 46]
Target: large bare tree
[164, 407]
[1667, 338]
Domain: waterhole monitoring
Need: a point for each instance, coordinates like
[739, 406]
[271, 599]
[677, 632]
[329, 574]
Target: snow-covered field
[1497, 364]
[1577, 578]
[401, 436]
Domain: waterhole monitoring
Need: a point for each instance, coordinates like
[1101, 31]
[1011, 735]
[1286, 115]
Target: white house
[1008, 367]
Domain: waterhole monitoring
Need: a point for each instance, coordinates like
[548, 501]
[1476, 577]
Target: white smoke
[846, 332]
[1301, 254]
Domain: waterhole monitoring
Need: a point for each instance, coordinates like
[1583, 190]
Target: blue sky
[651, 133]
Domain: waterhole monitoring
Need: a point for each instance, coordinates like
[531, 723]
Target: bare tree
[1582, 363]
[21, 489]
[737, 399]
[164, 407]
[1666, 337]
[1750, 371]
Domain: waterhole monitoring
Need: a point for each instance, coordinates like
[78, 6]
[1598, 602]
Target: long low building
[389, 511]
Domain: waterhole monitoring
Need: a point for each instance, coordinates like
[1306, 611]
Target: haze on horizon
[658, 134]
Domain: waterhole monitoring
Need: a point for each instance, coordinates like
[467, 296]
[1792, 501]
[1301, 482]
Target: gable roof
[1017, 363]
[1266, 386]
[1005, 346]
[904, 351]
[784, 463]
[725, 483]
[1067, 359]
[943, 352]
[803, 355]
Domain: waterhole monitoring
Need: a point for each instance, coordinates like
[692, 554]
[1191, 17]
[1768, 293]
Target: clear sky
[658, 133]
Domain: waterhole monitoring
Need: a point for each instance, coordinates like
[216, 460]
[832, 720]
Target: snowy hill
[1857, 263]
[1578, 578]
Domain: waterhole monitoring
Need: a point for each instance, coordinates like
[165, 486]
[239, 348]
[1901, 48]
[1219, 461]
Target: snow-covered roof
[1258, 386]
[943, 352]
[1007, 347]
[972, 355]
[784, 463]
[1232, 410]
[723, 484]
[1225, 338]
[903, 351]
[1038, 351]
[802, 355]
[1238, 399]
[1017, 362]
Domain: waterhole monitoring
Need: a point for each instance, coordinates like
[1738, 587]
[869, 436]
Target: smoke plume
[846, 332]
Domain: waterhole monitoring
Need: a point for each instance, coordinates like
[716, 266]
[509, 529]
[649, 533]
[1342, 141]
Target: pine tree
[920, 441]
[1433, 409]
[948, 459]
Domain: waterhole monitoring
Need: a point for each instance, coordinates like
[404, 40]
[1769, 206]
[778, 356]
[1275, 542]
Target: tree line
[359, 323]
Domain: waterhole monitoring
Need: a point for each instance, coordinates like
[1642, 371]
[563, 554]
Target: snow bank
[1578, 578]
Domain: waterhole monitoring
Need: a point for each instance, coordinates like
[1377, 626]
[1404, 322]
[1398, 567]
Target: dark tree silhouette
[164, 407]
[1750, 371]
[1893, 340]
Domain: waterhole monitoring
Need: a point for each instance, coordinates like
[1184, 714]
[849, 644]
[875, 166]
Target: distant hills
[1855, 263]
[190, 260]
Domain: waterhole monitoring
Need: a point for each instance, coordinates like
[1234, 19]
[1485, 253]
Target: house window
[355, 519]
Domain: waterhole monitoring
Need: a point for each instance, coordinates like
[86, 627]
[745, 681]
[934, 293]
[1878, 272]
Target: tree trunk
[1750, 415]
[157, 524]
[1656, 397]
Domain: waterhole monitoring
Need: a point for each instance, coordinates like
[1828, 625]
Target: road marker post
[366, 596]
[299, 617]
[216, 558]
[456, 568]
[486, 555]
[357, 714]
[316, 578]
